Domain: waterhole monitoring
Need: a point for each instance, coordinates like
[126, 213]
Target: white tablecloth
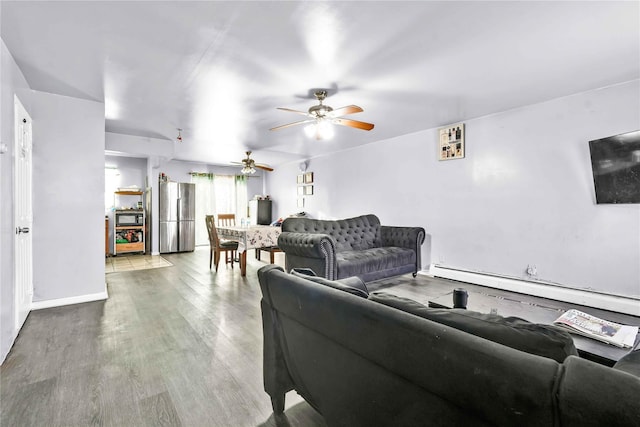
[254, 236]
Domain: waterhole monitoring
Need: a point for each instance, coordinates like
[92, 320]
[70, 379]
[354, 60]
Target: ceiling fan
[249, 165]
[320, 117]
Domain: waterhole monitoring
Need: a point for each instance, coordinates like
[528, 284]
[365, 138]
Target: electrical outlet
[532, 271]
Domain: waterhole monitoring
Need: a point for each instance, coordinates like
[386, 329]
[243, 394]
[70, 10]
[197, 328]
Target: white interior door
[23, 215]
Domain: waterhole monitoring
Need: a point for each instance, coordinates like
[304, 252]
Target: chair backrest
[226, 220]
[211, 228]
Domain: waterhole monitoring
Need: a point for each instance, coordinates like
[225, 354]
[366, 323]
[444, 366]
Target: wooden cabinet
[260, 212]
[130, 247]
[129, 223]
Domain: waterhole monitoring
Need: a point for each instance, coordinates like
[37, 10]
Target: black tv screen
[615, 162]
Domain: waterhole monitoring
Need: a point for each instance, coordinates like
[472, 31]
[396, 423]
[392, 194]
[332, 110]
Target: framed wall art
[308, 178]
[300, 179]
[308, 190]
[451, 142]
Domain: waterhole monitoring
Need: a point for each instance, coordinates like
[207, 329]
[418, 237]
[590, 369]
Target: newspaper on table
[585, 324]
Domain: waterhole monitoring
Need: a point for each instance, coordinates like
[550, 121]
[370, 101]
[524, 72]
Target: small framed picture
[300, 179]
[301, 202]
[308, 190]
[451, 142]
[300, 190]
[308, 178]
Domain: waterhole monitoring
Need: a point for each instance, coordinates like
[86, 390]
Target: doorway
[23, 214]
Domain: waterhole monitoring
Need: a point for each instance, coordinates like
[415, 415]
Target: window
[218, 194]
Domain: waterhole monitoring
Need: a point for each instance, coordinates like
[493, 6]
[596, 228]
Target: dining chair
[226, 220]
[216, 246]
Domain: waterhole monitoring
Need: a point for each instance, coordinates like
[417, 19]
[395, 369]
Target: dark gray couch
[360, 362]
[357, 246]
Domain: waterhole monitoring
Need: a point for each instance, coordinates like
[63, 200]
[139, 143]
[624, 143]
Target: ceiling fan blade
[304, 113]
[263, 167]
[354, 124]
[293, 124]
[349, 109]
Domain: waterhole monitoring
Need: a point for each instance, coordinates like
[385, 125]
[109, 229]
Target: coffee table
[545, 311]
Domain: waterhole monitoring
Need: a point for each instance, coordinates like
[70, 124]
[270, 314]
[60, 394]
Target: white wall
[68, 193]
[12, 83]
[523, 194]
[68, 183]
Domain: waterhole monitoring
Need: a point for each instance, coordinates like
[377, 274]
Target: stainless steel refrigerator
[177, 217]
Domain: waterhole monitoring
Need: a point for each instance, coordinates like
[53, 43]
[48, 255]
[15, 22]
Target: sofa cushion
[355, 263]
[353, 285]
[542, 340]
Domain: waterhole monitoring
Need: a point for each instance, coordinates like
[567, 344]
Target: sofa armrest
[306, 244]
[309, 250]
[276, 379]
[629, 363]
[404, 237]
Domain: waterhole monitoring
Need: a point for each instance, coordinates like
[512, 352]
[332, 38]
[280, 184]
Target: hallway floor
[114, 264]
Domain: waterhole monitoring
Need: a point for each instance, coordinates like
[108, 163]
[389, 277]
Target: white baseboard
[59, 302]
[6, 352]
[599, 300]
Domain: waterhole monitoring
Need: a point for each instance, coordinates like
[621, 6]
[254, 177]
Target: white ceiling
[219, 69]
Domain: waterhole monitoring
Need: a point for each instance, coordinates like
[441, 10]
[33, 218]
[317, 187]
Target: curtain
[218, 194]
[242, 205]
[205, 204]
[225, 195]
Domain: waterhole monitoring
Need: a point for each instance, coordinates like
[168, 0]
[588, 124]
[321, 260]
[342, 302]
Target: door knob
[20, 230]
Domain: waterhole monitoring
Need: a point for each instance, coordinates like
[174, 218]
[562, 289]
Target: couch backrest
[361, 232]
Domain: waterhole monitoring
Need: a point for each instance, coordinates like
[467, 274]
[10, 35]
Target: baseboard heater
[604, 301]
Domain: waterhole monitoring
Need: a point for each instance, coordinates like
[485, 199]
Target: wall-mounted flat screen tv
[615, 162]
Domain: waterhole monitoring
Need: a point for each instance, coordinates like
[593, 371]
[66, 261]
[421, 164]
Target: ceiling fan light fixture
[325, 129]
[248, 170]
[321, 129]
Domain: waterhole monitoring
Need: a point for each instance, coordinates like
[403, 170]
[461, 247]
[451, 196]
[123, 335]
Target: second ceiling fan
[249, 165]
[320, 117]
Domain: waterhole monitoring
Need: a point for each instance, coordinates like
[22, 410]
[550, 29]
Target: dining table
[249, 237]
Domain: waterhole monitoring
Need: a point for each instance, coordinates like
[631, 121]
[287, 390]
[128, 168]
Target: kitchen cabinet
[128, 223]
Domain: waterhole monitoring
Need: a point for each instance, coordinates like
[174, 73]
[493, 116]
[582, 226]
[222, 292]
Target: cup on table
[460, 298]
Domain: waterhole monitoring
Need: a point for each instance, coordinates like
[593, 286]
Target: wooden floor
[171, 346]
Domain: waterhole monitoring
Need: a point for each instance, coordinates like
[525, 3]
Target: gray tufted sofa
[357, 246]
